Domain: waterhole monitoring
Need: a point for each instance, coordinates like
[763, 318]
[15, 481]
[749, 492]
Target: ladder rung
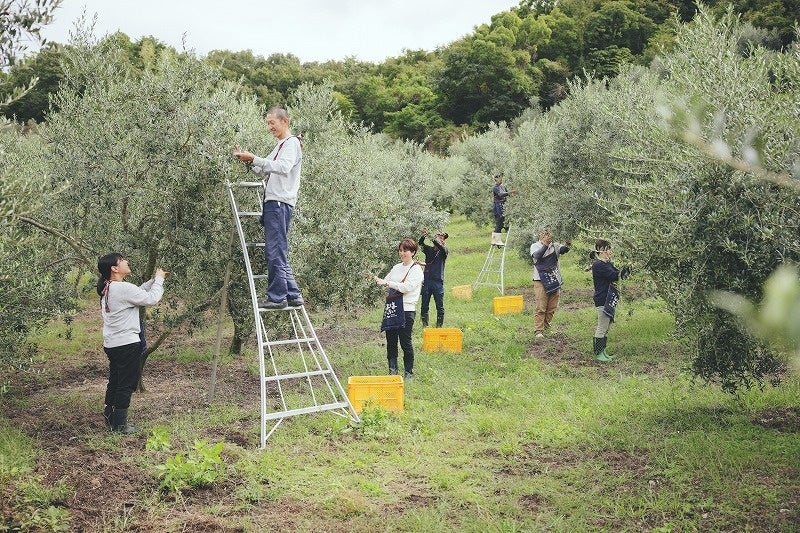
[284, 342]
[249, 213]
[255, 244]
[260, 276]
[305, 410]
[249, 184]
[297, 375]
[287, 308]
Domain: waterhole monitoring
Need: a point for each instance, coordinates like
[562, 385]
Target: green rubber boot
[600, 350]
[608, 355]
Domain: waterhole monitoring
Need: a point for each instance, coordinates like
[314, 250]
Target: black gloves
[625, 272]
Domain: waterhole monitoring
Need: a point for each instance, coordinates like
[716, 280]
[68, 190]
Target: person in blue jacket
[606, 296]
[499, 194]
[433, 284]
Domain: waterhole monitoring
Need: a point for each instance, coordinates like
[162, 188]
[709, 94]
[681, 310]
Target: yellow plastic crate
[462, 291]
[508, 304]
[386, 391]
[441, 340]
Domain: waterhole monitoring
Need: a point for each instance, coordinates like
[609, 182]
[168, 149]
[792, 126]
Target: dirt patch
[780, 418]
[59, 403]
[556, 348]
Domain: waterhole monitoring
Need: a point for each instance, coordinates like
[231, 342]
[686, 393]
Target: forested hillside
[524, 56]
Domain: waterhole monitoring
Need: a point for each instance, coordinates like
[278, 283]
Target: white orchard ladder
[296, 375]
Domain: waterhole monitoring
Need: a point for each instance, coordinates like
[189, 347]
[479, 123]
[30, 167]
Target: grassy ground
[508, 435]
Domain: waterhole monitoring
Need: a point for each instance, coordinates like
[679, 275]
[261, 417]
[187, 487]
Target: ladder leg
[298, 365]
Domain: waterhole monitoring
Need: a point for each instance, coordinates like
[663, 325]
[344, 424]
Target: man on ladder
[281, 171]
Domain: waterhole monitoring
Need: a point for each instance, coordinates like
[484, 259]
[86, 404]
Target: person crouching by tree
[433, 284]
[606, 295]
[547, 280]
[123, 334]
[404, 282]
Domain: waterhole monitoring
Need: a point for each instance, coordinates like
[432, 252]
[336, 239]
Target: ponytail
[104, 265]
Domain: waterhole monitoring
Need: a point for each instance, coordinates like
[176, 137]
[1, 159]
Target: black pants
[499, 217]
[124, 368]
[404, 336]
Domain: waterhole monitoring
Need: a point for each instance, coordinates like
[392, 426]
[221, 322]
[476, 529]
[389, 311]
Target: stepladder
[296, 375]
[492, 271]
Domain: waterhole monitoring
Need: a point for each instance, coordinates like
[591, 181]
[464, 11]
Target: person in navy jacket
[433, 285]
[606, 296]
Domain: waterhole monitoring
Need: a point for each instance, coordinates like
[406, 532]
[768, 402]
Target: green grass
[508, 435]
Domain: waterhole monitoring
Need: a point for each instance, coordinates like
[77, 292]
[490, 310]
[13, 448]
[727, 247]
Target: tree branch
[75, 244]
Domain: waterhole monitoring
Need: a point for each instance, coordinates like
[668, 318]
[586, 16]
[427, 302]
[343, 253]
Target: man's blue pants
[277, 216]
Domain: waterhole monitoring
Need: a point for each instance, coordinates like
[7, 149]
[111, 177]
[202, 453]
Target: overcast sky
[313, 30]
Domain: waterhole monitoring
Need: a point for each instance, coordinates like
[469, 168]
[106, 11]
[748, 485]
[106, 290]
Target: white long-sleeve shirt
[412, 285]
[121, 321]
[282, 168]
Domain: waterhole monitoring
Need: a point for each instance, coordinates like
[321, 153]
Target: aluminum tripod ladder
[491, 274]
[296, 375]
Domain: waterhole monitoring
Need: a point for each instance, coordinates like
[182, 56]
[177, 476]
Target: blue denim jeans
[435, 289]
[277, 216]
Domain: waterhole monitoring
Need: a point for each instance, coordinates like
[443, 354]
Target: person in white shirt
[281, 168]
[123, 335]
[405, 277]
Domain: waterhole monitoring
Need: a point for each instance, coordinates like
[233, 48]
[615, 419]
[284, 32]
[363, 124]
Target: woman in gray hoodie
[123, 334]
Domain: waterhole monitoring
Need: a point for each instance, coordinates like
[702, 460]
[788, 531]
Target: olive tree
[480, 158]
[140, 158]
[30, 293]
[697, 223]
[669, 162]
[361, 193]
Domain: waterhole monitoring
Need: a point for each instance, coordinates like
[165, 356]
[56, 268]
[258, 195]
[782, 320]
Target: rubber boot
[121, 422]
[108, 417]
[599, 350]
[497, 239]
[424, 321]
[605, 352]
[439, 321]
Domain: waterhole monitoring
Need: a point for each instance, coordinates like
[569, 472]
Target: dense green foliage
[527, 54]
[137, 158]
[598, 162]
[29, 278]
[611, 161]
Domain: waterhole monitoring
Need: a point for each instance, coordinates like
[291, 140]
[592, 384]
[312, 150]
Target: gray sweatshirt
[281, 168]
[121, 321]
